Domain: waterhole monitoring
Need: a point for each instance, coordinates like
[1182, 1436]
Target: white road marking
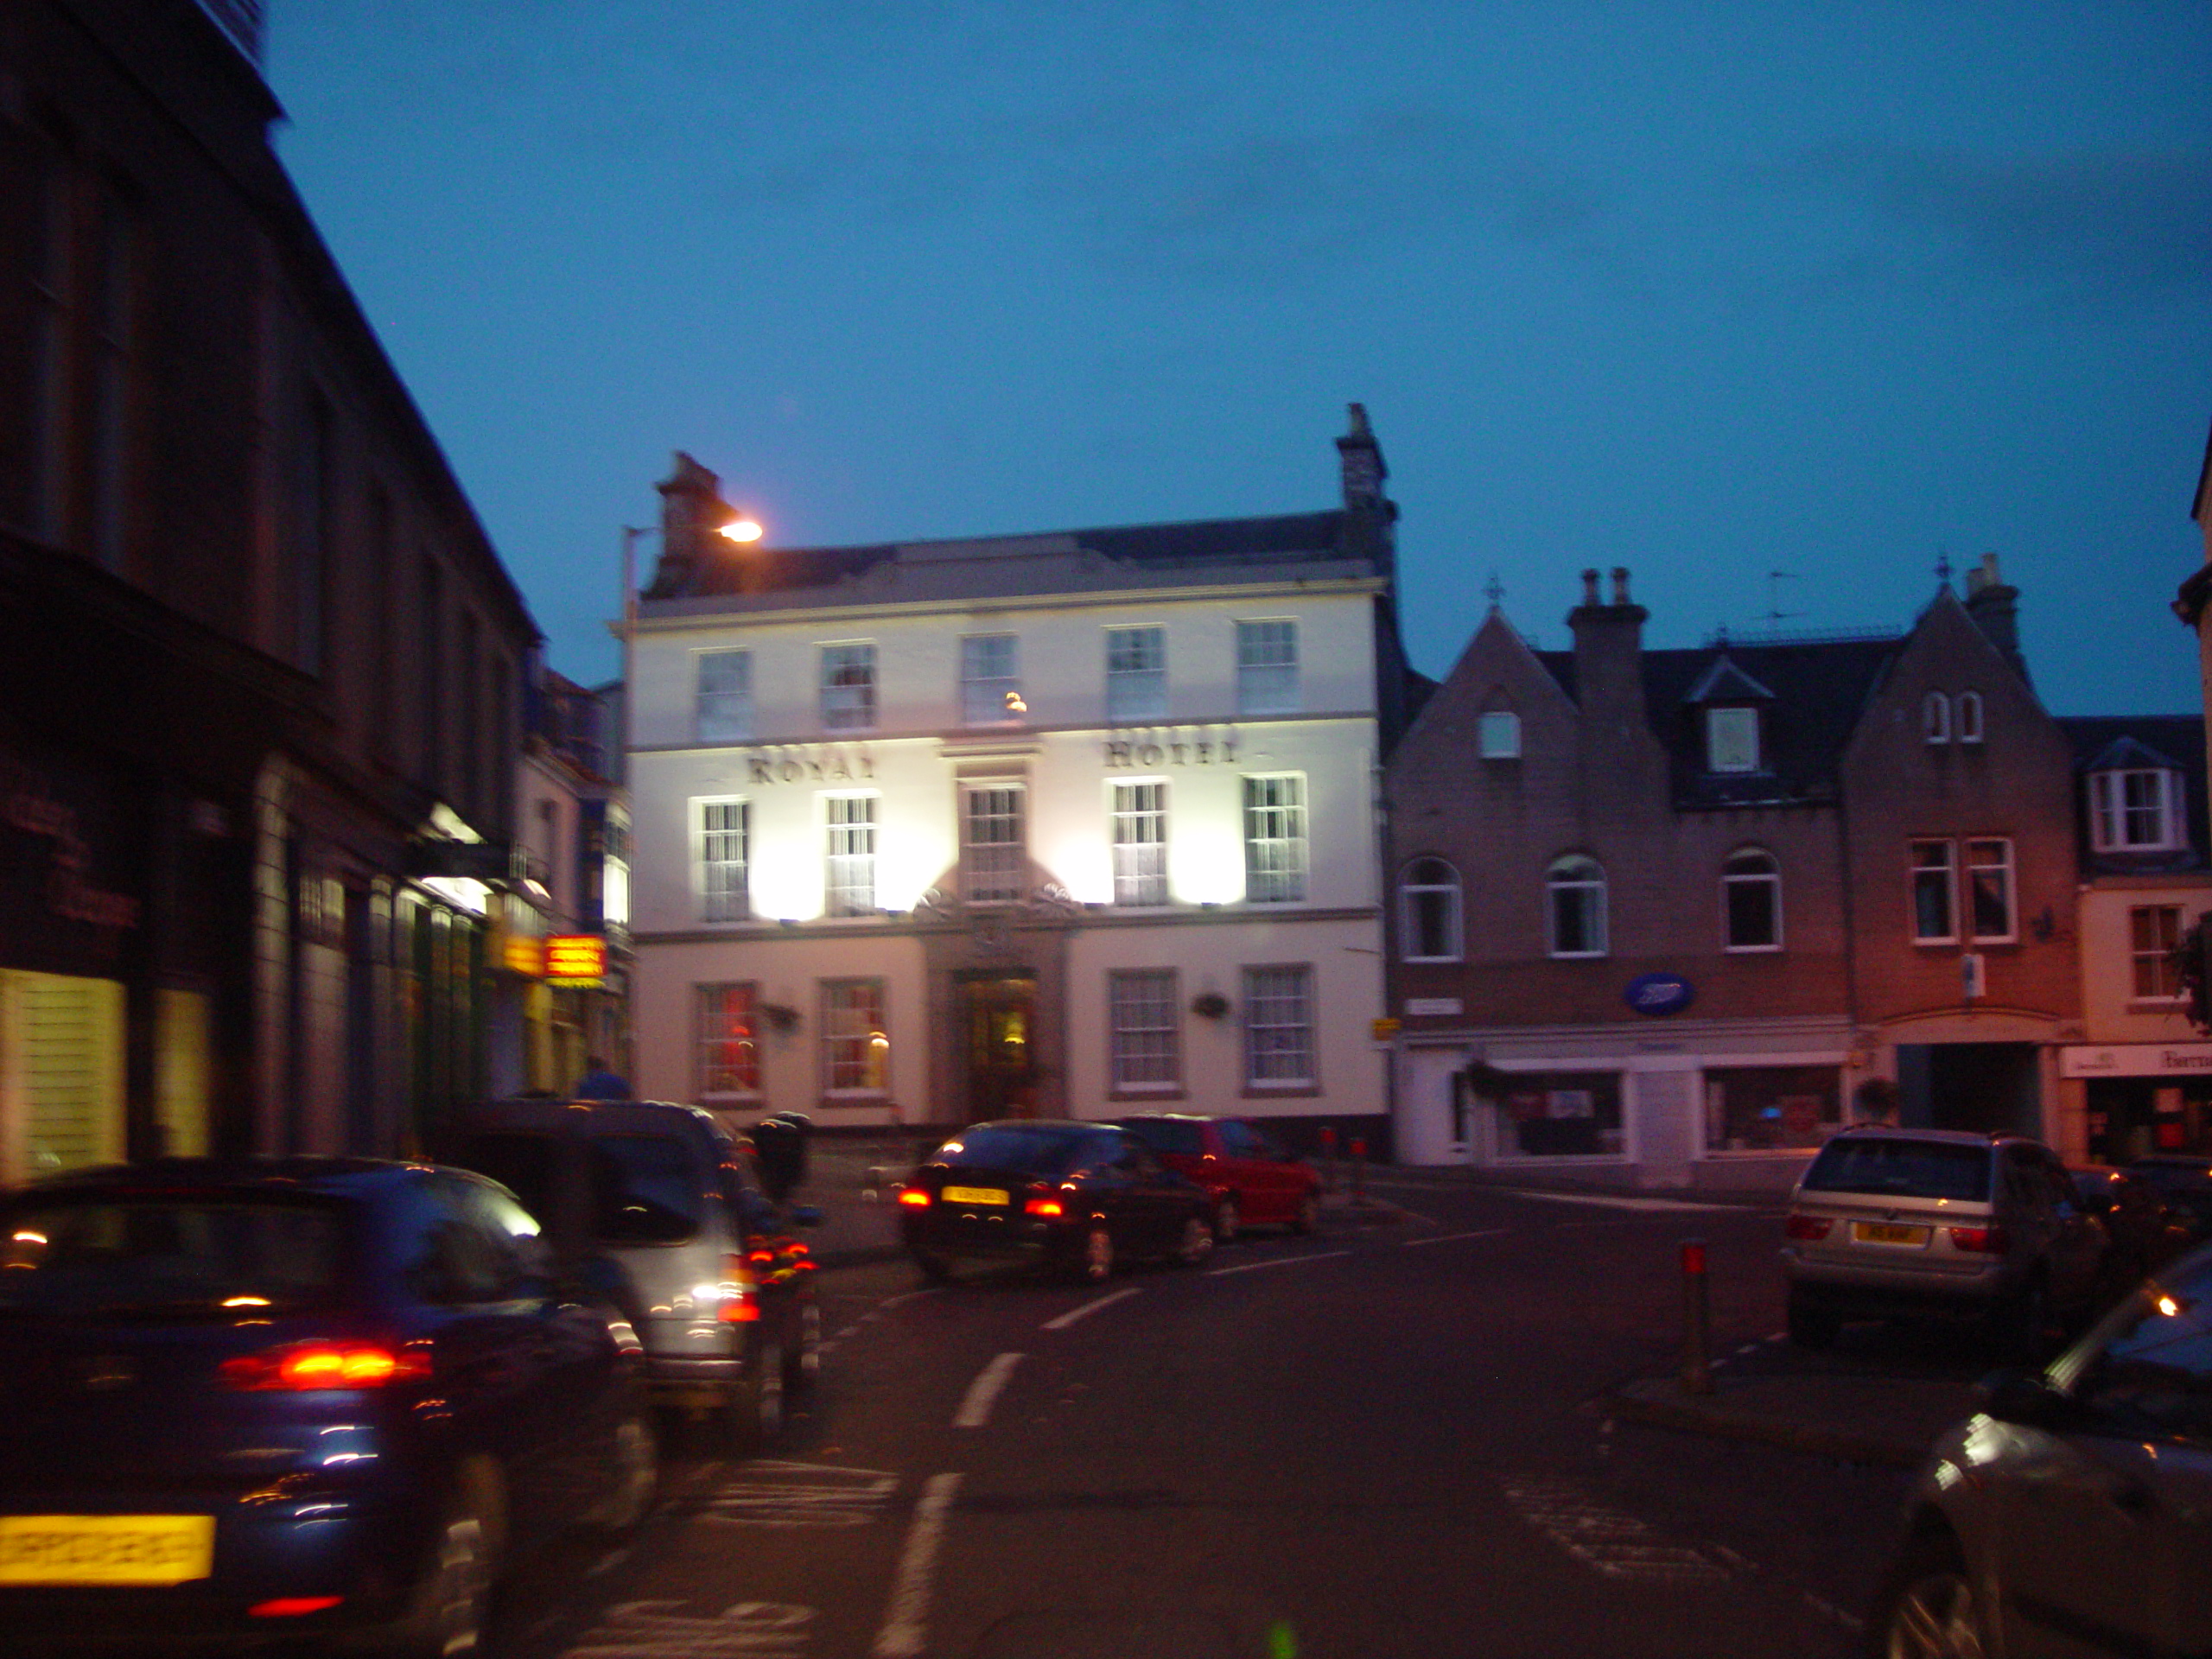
[1606, 1201]
[1087, 1309]
[976, 1405]
[1415, 1215]
[1279, 1262]
[774, 1493]
[1617, 1544]
[1447, 1238]
[906, 1632]
[746, 1629]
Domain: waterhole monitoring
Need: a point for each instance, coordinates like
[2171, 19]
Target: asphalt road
[1381, 1441]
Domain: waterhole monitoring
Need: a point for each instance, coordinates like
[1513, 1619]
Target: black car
[2184, 1184]
[1077, 1196]
[305, 1397]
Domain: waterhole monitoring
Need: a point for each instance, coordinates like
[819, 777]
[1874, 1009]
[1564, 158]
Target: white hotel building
[1063, 824]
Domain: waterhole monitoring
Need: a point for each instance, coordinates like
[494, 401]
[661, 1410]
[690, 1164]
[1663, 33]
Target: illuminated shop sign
[575, 958]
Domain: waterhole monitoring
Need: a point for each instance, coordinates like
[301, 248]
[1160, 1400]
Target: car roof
[1938, 1137]
[336, 1176]
[1048, 1125]
[538, 1113]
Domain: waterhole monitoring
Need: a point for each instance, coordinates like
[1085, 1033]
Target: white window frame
[990, 679]
[1936, 717]
[1738, 870]
[722, 855]
[1579, 874]
[1267, 666]
[1926, 876]
[713, 1046]
[1144, 1028]
[849, 686]
[1969, 712]
[1140, 842]
[2113, 815]
[1731, 740]
[1979, 861]
[994, 841]
[1278, 1035]
[1497, 734]
[2158, 957]
[849, 849]
[1275, 838]
[1442, 888]
[723, 697]
[1137, 673]
[855, 1037]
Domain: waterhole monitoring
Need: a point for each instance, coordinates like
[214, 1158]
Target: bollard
[1328, 1158]
[1697, 1321]
[1358, 1167]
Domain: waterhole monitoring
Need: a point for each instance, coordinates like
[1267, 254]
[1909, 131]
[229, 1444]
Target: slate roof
[2134, 742]
[1818, 690]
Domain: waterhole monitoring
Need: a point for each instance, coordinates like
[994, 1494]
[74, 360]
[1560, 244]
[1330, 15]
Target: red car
[1244, 1170]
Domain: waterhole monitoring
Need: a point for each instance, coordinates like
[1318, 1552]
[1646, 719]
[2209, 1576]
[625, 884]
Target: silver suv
[1889, 1222]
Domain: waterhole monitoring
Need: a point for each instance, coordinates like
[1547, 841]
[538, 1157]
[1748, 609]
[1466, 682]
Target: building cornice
[864, 929]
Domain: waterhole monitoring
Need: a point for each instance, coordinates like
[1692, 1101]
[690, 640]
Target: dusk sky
[1711, 291]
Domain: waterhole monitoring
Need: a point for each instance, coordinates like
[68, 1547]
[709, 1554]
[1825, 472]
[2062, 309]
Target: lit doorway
[999, 1022]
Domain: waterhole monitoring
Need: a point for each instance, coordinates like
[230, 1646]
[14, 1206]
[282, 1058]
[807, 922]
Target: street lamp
[743, 527]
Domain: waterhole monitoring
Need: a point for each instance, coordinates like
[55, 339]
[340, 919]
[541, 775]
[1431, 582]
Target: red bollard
[1359, 1167]
[1697, 1321]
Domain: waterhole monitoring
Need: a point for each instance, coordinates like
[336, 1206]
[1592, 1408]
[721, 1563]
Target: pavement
[1879, 1397]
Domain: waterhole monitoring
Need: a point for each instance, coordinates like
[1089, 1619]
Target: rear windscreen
[1168, 1134]
[1909, 1169]
[524, 1164]
[645, 1189]
[162, 1256]
[1039, 1152]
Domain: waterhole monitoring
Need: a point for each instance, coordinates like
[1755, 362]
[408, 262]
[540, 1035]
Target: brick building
[1667, 914]
[260, 701]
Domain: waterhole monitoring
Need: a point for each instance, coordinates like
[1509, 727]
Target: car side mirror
[2026, 1398]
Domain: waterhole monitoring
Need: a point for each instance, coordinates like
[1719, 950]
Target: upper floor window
[1936, 717]
[1991, 902]
[725, 883]
[1266, 668]
[1141, 843]
[1935, 892]
[2136, 811]
[994, 860]
[725, 696]
[1731, 740]
[1751, 901]
[1497, 734]
[2154, 945]
[848, 687]
[990, 680]
[848, 886]
[1969, 716]
[1575, 893]
[1428, 912]
[1136, 674]
[1274, 838]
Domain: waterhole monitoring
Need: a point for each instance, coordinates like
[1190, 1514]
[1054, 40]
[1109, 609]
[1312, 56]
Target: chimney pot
[1620, 584]
[1590, 587]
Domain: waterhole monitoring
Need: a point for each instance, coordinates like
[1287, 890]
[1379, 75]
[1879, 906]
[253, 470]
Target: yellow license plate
[106, 1549]
[1885, 1232]
[975, 1195]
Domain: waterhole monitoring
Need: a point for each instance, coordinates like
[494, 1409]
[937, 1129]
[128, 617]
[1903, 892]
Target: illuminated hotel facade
[1074, 823]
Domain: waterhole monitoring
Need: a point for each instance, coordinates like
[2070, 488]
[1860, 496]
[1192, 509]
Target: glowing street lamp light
[743, 528]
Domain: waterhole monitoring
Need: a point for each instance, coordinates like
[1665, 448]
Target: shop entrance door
[1000, 1022]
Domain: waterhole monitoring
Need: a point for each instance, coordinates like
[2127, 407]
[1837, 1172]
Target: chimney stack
[691, 509]
[1995, 608]
[1609, 652]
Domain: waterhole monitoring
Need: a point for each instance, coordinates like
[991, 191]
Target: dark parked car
[1251, 1179]
[2073, 1514]
[2142, 1236]
[2184, 1184]
[300, 1397]
[1078, 1197]
[665, 1214]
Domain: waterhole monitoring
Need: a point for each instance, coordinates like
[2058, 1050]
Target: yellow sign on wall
[523, 955]
[575, 958]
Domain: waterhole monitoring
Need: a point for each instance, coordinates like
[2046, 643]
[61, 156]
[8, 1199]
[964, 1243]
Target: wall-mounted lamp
[1014, 705]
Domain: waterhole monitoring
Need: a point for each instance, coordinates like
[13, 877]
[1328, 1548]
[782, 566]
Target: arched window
[1751, 901]
[1428, 913]
[1574, 894]
[1969, 716]
[1936, 717]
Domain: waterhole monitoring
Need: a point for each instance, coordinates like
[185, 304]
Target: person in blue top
[600, 1083]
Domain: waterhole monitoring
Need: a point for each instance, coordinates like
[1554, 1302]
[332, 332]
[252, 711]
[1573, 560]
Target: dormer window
[1936, 717]
[1731, 740]
[2136, 811]
[1497, 734]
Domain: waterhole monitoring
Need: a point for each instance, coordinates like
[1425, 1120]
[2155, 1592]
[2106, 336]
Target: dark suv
[1889, 1222]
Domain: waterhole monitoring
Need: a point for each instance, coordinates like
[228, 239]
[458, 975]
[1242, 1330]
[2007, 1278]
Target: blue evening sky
[1708, 290]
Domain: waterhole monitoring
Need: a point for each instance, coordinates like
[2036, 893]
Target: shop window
[1562, 1114]
[1771, 1108]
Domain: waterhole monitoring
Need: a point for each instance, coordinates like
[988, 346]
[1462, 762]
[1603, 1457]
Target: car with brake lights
[1907, 1223]
[320, 1399]
[1074, 1197]
[1247, 1173]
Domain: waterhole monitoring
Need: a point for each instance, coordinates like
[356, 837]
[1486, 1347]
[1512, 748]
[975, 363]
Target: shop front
[2143, 1097]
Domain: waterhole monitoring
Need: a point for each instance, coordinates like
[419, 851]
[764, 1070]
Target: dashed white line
[1279, 1262]
[976, 1405]
[1087, 1309]
[1449, 1238]
[905, 1631]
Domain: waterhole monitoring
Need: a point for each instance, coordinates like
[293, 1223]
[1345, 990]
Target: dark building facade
[263, 688]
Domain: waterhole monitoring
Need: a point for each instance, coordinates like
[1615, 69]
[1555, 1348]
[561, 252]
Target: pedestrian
[600, 1083]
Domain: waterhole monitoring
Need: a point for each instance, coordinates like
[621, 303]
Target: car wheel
[450, 1605]
[803, 1365]
[1928, 1610]
[1813, 1324]
[1197, 1245]
[1309, 1214]
[1225, 1220]
[1096, 1265]
[755, 1412]
[635, 1474]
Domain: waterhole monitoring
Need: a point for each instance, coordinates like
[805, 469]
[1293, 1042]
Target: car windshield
[1176, 1134]
[125, 1256]
[1034, 1151]
[1901, 1168]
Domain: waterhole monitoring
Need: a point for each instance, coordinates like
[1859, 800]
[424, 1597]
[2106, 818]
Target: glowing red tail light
[1042, 1207]
[1806, 1227]
[1983, 1241]
[294, 1606]
[302, 1366]
[914, 1198]
[739, 1287]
